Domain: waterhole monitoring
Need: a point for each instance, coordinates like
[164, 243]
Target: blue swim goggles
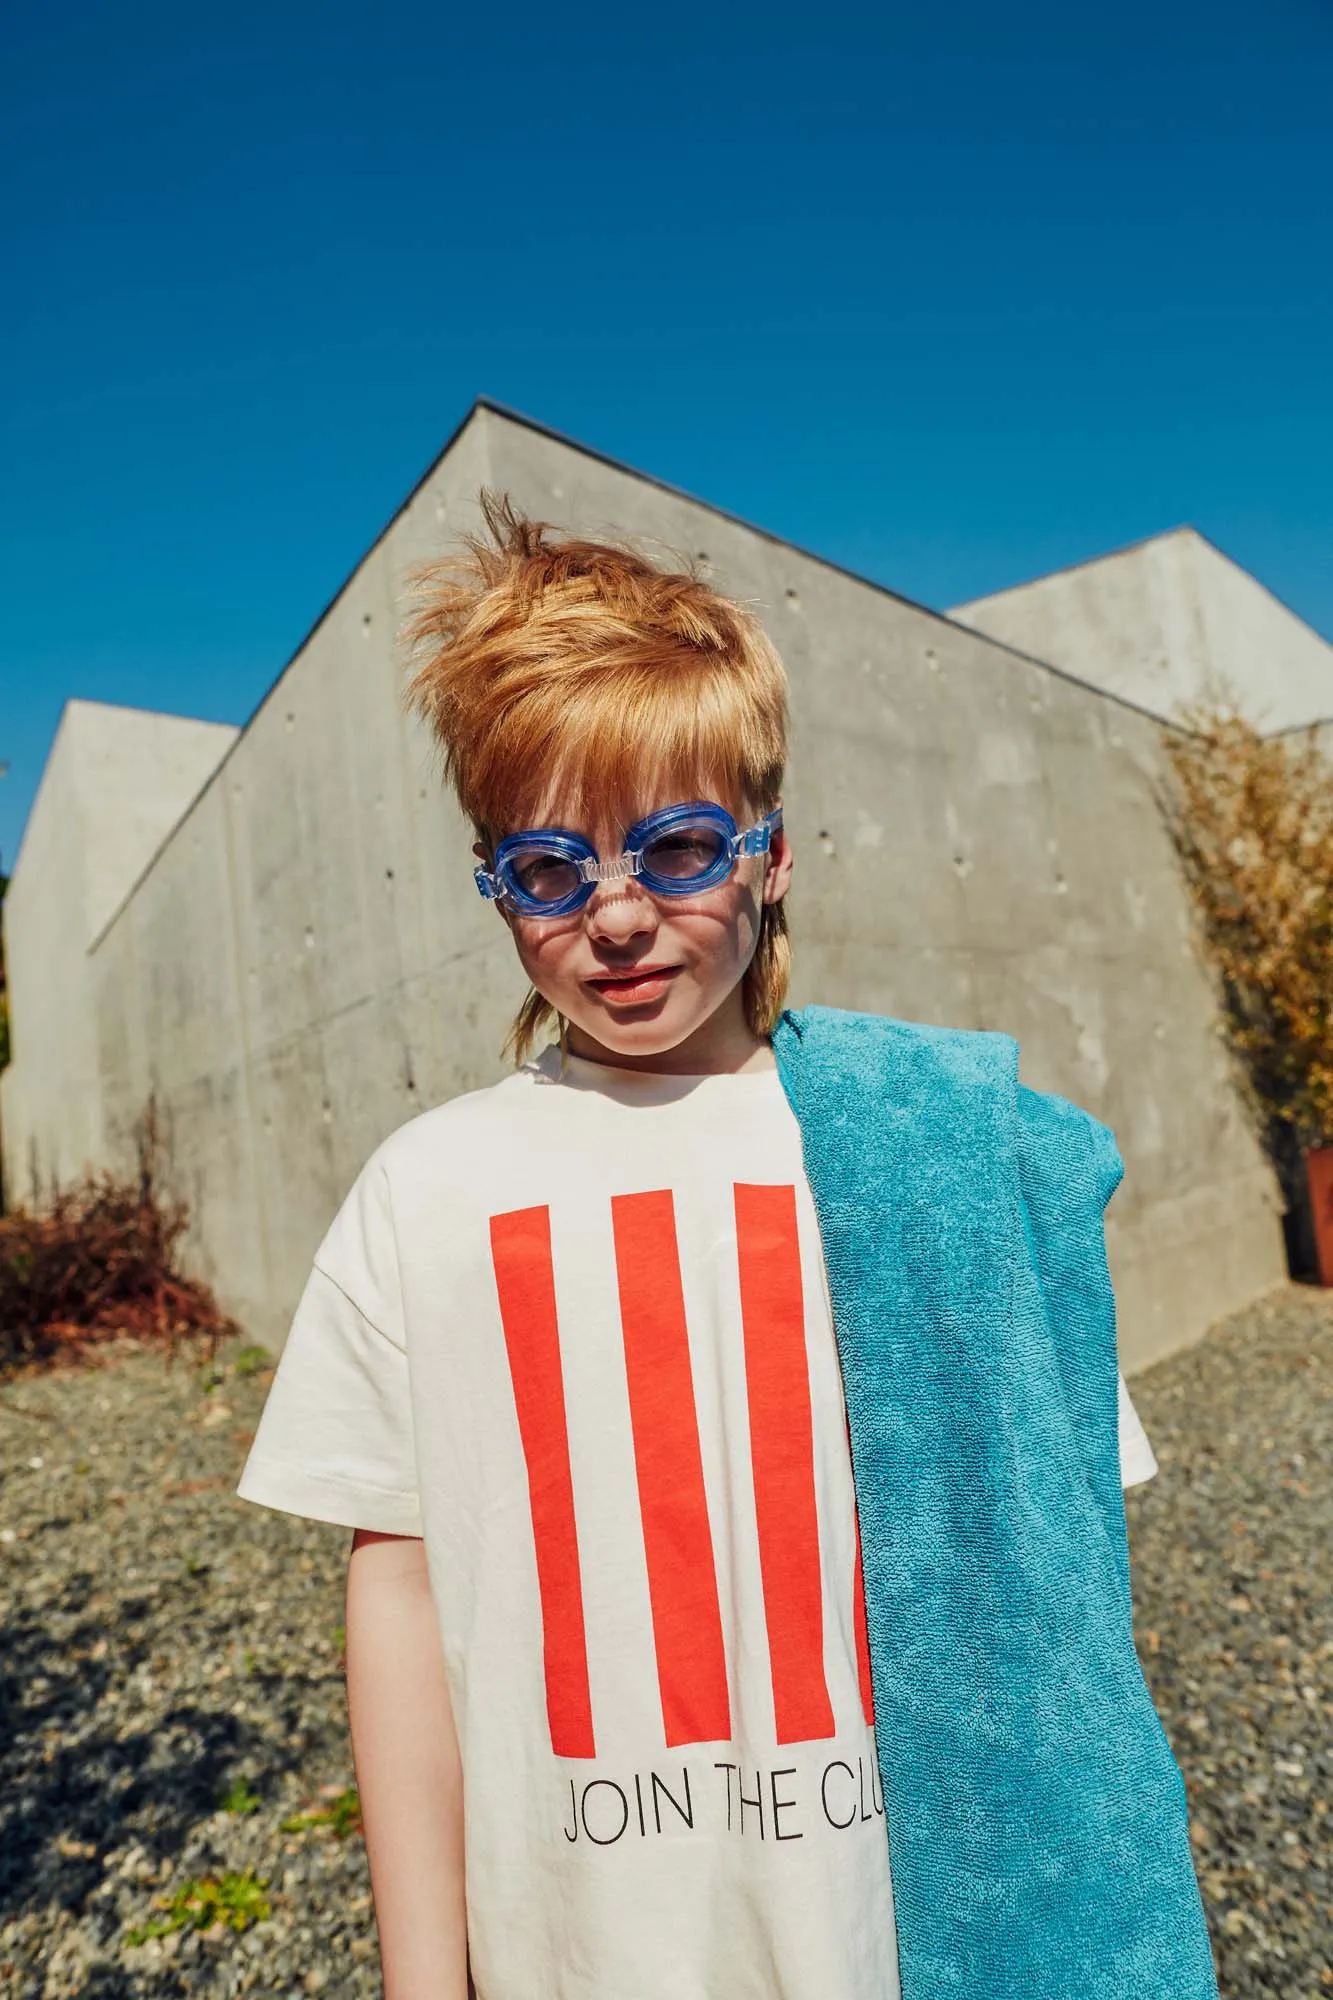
[678, 851]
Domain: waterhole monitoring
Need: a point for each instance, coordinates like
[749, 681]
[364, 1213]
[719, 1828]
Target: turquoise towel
[1036, 1817]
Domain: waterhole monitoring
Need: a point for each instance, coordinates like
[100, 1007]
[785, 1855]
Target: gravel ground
[164, 1647]
[1234, 1614]
[171, 1695]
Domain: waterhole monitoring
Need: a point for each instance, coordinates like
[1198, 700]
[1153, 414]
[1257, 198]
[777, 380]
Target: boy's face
[638, 976]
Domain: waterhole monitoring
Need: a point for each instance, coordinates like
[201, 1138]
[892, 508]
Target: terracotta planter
[1319, 1176]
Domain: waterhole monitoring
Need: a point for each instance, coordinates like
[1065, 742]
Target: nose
[618, 912]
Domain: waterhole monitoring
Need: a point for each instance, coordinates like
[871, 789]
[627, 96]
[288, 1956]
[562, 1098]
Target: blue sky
[950, 294]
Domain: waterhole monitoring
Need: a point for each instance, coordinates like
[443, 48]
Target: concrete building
[1170, 621]
[304, 962]
[116, 782]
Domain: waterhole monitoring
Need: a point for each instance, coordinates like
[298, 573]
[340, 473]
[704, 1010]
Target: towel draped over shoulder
[1036, 1817]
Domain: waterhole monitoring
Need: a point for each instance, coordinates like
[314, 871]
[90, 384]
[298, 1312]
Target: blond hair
[546, 663]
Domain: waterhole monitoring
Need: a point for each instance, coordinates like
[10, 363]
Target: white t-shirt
[574, 1330]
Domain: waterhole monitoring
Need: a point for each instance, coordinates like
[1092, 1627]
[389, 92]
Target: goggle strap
[756, 839]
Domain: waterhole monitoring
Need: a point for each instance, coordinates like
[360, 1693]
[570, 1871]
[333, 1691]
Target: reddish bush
[97, 1262]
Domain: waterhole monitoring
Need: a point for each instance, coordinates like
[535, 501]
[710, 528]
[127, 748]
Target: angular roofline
[137, 708]
[1089, 562]
[795, 548]
[1130, 549]
[121, 709]
[496, 408]
[1295, 728]
[243, 729]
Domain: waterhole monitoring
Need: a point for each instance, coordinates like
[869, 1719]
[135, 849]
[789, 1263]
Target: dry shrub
[1253, 823]
[98, 1262]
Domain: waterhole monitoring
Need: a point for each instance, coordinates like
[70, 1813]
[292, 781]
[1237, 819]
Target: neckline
[640, 1086]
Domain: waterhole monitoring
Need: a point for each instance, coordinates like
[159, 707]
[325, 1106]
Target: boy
[567, 1367]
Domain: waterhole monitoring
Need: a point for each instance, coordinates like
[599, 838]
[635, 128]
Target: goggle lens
[684, 854]
[545, 876]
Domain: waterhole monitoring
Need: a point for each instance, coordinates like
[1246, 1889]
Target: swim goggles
[678, 851]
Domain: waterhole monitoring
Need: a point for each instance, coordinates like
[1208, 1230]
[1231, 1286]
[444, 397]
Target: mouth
[633, 988]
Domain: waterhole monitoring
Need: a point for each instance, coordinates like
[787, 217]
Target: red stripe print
[677, 1540]
[525, 1281]
[782, 1452]
[862, 1635]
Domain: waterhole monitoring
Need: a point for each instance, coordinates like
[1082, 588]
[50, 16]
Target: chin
[645, 1038]
[651, 1032]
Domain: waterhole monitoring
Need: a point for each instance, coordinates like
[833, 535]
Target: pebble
[164, 1644]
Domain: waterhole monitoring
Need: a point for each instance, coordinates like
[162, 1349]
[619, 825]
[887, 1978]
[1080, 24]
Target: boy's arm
[408, 1769]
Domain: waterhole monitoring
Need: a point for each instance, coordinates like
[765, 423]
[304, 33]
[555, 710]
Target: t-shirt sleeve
[1137, 1460]
[335, 1441]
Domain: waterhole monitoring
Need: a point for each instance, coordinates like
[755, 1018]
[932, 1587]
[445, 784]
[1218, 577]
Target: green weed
[251, 1361]
[340, 1815]
[240, 1797]
[229, 1902]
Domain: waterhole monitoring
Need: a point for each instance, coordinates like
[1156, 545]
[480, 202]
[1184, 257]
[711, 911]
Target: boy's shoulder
[457, 1128]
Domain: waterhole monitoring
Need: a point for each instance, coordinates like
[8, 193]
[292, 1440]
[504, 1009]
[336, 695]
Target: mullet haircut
[547, 665]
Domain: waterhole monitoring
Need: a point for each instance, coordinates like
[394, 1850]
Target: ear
[777, 873]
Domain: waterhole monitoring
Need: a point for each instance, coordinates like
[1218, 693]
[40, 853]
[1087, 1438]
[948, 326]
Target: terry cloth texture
[1036, 1818]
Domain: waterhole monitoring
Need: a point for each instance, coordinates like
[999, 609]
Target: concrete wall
[1157, 622]
[306, 963]
[1321, 735]
[115, 783]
